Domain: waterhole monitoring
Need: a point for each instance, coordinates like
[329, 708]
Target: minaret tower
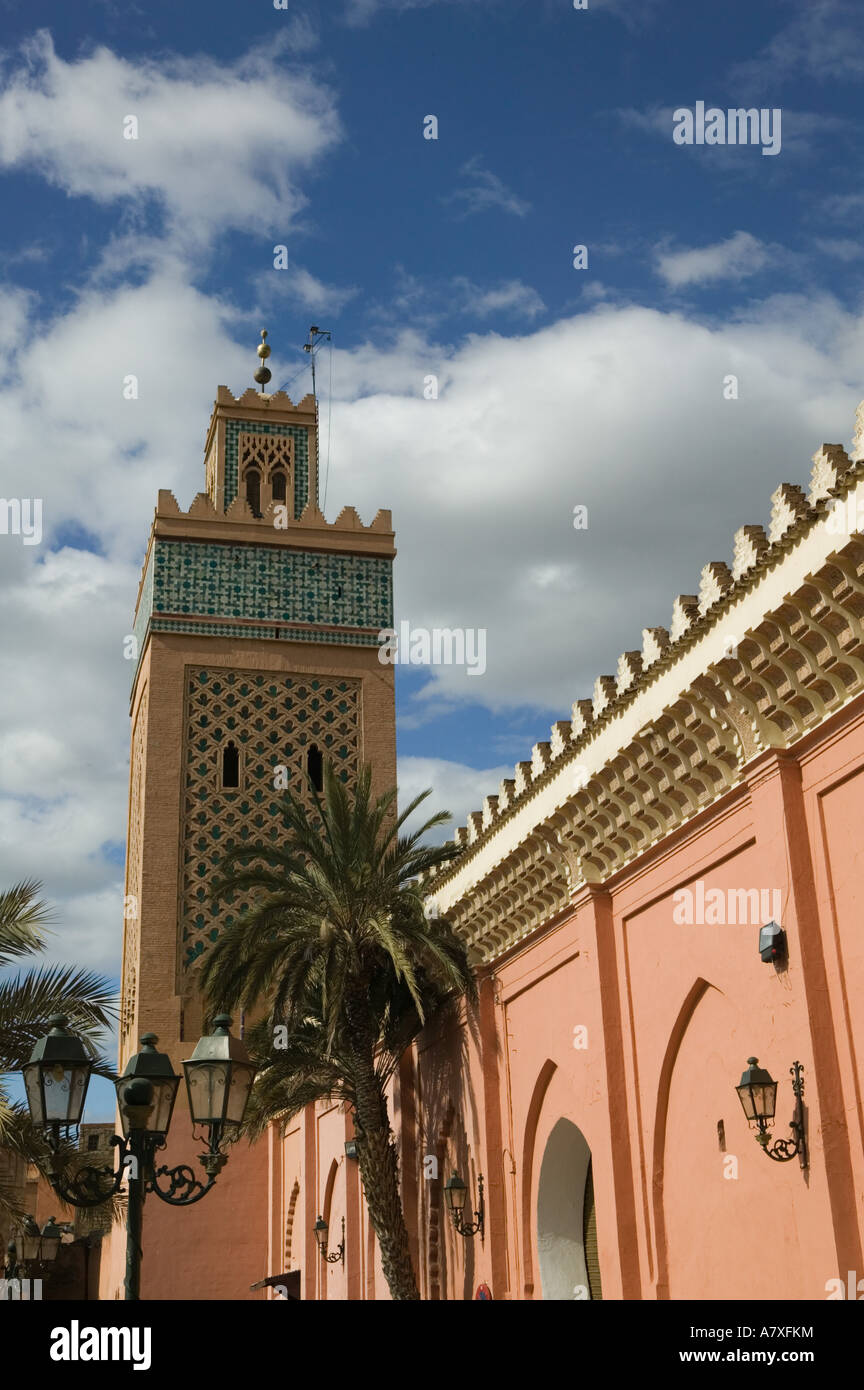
[256, 645]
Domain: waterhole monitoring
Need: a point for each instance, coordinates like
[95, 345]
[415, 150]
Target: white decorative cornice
[672, 733]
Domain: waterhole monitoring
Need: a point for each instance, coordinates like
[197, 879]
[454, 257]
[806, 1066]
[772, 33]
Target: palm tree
[27, 1003]
[338, 945]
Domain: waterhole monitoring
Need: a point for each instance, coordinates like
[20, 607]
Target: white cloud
[512, 297]
[822, 40]
[842, 248]
[219, 145]
[302, 288]
[620, 409]
[455, 788]
[359, 12]
[655, 120]
[735, 258]
[484, 190]
[633, 16]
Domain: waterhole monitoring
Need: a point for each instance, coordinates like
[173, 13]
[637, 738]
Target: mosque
[610, 1104]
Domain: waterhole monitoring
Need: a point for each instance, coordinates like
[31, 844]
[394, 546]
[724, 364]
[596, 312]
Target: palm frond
[28, 1001]
[23, 919]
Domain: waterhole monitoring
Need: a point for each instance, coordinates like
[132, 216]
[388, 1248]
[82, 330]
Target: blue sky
[558, 386]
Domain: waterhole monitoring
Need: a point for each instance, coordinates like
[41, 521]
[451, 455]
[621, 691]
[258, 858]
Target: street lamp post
[219, 1078]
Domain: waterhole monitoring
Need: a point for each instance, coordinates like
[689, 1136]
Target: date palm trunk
[379, 1169]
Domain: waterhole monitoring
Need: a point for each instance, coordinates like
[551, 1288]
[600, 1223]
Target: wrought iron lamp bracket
[782, 1150]
[469, 1229]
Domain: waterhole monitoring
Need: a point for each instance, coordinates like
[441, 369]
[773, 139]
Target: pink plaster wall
[671, 1013]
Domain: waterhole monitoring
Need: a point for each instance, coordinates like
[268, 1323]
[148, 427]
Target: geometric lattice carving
[296, 436]
[266, 453]
[134, 849]
[272, 718]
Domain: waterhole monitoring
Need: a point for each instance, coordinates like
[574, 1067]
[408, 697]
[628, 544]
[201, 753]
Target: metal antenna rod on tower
[316, 336]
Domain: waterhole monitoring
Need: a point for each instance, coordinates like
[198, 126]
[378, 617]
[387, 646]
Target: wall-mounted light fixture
[321, 1228]
[758, 1096]
[455, 1193]
[772, 943]
[351, 1148]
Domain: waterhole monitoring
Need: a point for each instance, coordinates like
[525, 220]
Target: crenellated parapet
[766, 651]
[273, 526]
[253, 556]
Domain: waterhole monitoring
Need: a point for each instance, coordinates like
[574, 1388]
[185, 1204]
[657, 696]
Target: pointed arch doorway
[566, 1218]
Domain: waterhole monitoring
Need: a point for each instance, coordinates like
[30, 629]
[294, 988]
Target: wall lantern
[351, 1148]
[321, 1228]
[758, 1096]
[455, 1194]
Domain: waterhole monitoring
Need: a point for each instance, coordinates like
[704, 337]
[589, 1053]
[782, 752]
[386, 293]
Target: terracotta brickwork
[272, 721]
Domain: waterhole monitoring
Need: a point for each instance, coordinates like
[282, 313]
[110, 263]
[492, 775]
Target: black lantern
[149, 1106]
[56, 1078]
[33, 1246]
[455, 1195]
[758, 1096]
[27, 1241]
[50, 1241]
[219, 1077]
[321, 1230]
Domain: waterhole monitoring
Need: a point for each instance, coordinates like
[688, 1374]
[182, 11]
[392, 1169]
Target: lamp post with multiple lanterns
[30, 1246]
[219, 1078]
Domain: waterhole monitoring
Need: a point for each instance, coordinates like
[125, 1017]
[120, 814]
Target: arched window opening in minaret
[230, 765]
[253, 491]
[315, 767]
[279, 482]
